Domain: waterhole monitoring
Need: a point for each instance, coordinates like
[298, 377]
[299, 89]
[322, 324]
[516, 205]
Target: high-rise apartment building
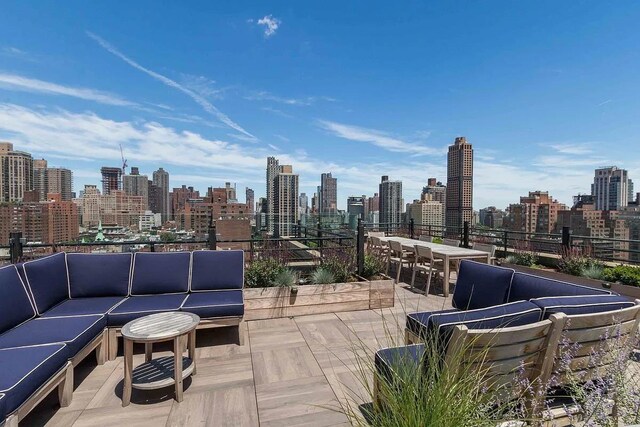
[536, 213]
[135, 184]
[285, 201]
[231, 192]
[53, 180]
[611, 188]
[250, 198]
[115, 208]
[155, 200]
[459, 191]
[303, 203]
[272, 171]
[111, 179]
[491, 217]
[390, 202]
[357, 207]
[161, 180]
[435, 191]
[16, 173]
[179, 198]
[328, 194]
[426, 213]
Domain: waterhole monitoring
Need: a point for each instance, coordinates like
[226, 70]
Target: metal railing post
[153, 247]
[465, 234]
[15, 246]
[566, 239]
[411, 228]
[360, 247]
[213, 238]
[506, 241]
[320, 242]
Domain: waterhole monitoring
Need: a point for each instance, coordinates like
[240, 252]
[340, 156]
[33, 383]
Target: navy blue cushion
[500, 316]
[15, 305]
[212, 270]
[481, 285]
[581, 304]
[527, 286]
[417, 322]
[160, 273]
[135, 307]
[215, 304]
[25, 369]
[99, 275]
[388, 360]
[84, 306]
[75, 332]
[47, 279]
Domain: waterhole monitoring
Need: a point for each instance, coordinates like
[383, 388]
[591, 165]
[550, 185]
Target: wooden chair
[425, 262]
[451, 242]
[506, 356]
[397, 255]
[426, 238]
[608, 334]
[490, 249]
[378, 247]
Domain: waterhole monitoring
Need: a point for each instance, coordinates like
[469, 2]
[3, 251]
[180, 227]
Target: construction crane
[124, 161]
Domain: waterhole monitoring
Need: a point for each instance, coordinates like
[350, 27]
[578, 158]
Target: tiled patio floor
[291, 371]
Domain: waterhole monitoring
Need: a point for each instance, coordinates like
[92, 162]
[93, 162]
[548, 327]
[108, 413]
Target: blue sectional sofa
[487, 296]
[56, 310]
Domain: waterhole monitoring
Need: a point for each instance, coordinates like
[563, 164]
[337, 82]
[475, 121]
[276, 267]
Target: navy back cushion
[527, 286]
[481, 285]
[48, 281]
[160, 273]
[15, 305]
[213, 270]
[99, 275]
[582, 304]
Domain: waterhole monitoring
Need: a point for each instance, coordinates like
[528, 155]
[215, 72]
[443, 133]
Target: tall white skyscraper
[610, 188]
[285, 201]
[272, 171]
[390, 202]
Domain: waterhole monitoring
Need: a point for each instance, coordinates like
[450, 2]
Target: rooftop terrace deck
[291, 371]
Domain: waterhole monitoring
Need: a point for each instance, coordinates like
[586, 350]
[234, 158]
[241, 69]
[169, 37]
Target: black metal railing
[606, 249]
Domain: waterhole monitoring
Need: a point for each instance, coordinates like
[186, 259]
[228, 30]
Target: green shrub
[595, 272]
[262, 273]
[625, 274]
[527, 259]
[437, 240]
[576, 260]
[322, 276]
[286, 278]
[340, 262]
[373, 266]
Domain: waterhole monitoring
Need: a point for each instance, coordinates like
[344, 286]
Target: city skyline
[208, 115]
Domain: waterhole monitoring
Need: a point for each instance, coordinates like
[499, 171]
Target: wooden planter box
[626, 290]
[270, 303]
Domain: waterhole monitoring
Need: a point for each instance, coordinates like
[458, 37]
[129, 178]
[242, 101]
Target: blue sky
[545, 91]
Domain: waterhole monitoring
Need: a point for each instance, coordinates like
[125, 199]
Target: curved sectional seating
[491, 299]
[57, 310]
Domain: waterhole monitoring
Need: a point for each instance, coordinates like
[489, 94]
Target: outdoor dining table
[445, 252]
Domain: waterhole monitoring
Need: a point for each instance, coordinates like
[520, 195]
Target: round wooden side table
[179, 327]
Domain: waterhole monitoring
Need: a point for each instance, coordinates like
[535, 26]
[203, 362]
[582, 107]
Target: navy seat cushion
[84, 306]
[99, 275]
[390, 360]
[582, 304]
[75, 332]
[417, 322]
[25, 369]
[500, 316]
[15, 304]
[212, 270]
[215, 304]
[138, 306]
[47, 280]
[160, 273]
[481, 285]
[527, 286]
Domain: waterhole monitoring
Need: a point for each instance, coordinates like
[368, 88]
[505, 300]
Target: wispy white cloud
[25, 84]
[277, 112]
[199, 99]
[203, 86]
[263, 95]
[270, 24]
[282, 137]
[604, 102]
[14, 52]
[576, 148]
[376, 137]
